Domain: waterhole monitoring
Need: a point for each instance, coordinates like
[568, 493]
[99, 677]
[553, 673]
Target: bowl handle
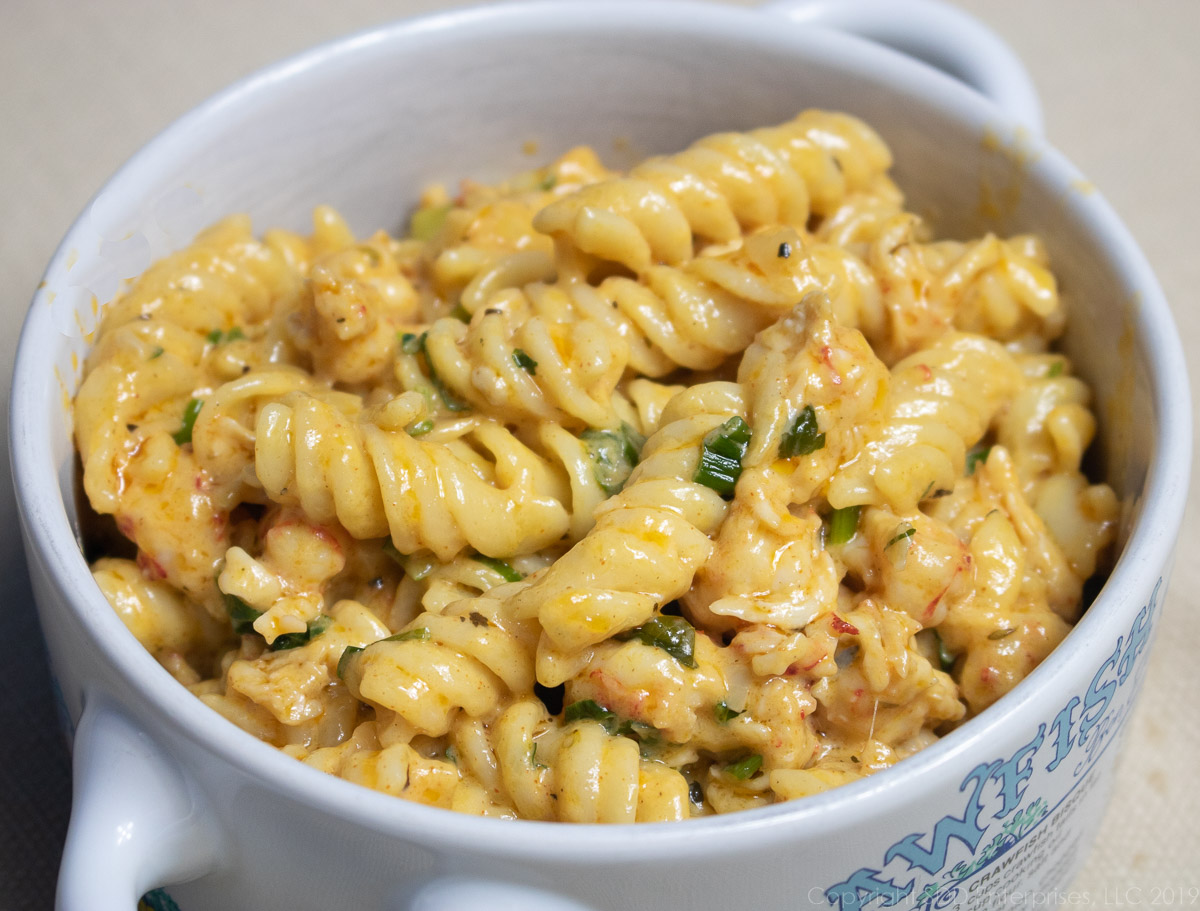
[934, 33]
[137, 821]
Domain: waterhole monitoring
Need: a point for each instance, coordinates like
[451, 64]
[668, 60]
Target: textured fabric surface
[82, 86]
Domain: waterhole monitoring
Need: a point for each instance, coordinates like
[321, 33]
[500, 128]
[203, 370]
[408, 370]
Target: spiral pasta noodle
[600, 497]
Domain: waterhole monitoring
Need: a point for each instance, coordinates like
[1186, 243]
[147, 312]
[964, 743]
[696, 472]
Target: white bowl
[167, 792]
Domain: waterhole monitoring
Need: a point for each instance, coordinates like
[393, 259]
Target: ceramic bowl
[167, 793]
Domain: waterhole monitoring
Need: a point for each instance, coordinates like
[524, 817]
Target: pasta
[600, 497]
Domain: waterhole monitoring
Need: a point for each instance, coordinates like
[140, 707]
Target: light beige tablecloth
[84, 84]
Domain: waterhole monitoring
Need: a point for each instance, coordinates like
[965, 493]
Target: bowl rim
[1146, 554]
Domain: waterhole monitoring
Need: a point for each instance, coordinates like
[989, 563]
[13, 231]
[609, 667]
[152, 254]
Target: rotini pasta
[600, 497]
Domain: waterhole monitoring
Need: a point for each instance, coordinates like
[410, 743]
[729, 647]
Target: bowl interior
[366, 123]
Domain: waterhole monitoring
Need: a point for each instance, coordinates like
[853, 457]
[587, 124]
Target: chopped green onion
[724, 713]
[241, 613]
[998, 634]
[548, 182]
[415, 344]
[412, 344]
[721, 456]
[533, 760]
[590, 709]
[744, 768]
[426, 223]
[613, 454]
[461, 313]
[977, 457]
[157, 352]
[499, 566]
[843, 524]
[420, 428]
[419, 633]
[905, 531]
[674, 635]
[390, 549]
[350, 652]
[295, 640]
[802, 437]
[190, 412]
[1056, 369]
[216, 337]
[525, 362]
[946, 658]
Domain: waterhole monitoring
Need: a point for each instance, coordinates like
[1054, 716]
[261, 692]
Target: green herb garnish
[533, 760]
[590, 709]
[452, 755]
[410, 343]
[614, 455]
[505, 571]
[157, 352]
[946, 658]
[906, 531]
[216, 337]
[1056, 369]
[418, 634]
[350, 652]
[998, 634]
[674, 635]
[724, 713]
[426, 223]
[843, 524]
[190, 412]
[295, 640]
[241, 613]
[420, 428]
[461, 313]
[525, 362]
[977, 457]
[721, 456]
[802, 437]
[548, 182]
[744, 768]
